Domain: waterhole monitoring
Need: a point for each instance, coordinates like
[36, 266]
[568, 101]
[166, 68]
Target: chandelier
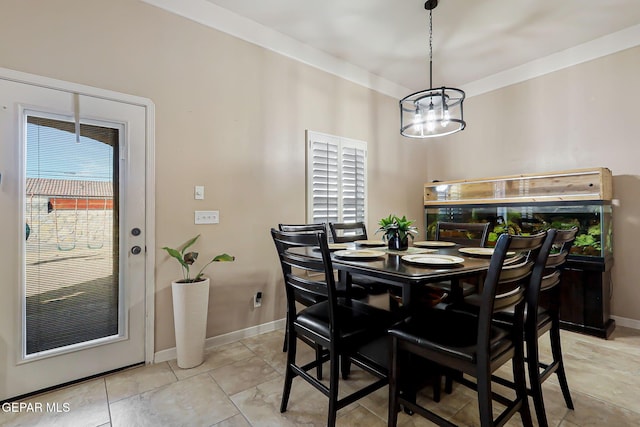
[435, 111]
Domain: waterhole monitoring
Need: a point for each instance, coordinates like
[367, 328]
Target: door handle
[136, 250]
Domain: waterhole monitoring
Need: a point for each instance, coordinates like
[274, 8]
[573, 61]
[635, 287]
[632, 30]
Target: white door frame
[149, 106]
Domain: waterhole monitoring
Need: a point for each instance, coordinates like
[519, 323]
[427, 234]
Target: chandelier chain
[430, 48]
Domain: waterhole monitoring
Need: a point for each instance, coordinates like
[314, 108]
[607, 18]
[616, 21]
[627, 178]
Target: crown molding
[213, 16]
[594, 49]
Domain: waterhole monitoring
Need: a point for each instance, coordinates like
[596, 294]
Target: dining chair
[341, 325]
[347, 232]
[304, 298]
[464, 233]
[467, 234]
[467, 342]
[543, 315]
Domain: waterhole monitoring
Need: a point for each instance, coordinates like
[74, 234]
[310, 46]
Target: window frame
[341, 143]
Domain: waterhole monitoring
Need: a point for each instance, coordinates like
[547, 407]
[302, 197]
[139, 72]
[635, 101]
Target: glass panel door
[74, 235]
[71, 286]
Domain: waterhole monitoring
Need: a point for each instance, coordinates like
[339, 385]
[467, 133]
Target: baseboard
[170, 353]
[626, 322]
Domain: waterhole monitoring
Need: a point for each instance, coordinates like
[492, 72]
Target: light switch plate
[199, 192]
[207, 217]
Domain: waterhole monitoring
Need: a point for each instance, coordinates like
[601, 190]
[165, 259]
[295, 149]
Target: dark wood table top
[395, 271]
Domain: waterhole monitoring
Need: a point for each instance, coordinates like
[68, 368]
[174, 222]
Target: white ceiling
[472, 39]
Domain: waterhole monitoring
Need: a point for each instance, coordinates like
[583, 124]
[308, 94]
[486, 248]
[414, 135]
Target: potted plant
[397, 231]
[190, 305]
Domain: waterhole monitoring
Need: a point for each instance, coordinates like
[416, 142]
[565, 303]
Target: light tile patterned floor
[240, 384]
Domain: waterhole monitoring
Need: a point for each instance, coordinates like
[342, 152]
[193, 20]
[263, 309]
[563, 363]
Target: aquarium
[527, 203]
[594, 222]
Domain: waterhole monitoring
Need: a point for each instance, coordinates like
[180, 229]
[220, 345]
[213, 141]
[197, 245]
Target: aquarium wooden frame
[592, 184]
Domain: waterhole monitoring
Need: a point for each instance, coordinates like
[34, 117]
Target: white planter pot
[190, 307]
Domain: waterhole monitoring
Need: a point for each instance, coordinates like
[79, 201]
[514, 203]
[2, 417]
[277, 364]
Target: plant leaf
[190, 257]
[218, 258]
[189, 243]
[223, 257]
[177, 255]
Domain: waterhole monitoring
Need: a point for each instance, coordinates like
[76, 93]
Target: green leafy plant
[187, 259]
[393, 226]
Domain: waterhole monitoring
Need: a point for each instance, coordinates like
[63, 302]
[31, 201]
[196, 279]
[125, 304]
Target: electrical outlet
[257, 300]
[207, 217]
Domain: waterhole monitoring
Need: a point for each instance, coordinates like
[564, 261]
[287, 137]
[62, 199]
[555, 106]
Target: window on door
[336, 179]
[71, 251]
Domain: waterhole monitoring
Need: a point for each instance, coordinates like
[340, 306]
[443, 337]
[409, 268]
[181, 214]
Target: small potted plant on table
[191, 305]
[397, 231]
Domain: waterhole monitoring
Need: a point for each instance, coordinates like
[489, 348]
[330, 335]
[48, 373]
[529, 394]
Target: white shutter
[353, 184]
[336, 179]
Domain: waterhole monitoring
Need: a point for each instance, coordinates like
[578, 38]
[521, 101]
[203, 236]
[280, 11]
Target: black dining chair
[347, 232]
[543, 315]
[466, 234]
[463, 233]
[304, 298]
[342, 325]
[468, 342]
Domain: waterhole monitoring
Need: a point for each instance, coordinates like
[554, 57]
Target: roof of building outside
[68, 188]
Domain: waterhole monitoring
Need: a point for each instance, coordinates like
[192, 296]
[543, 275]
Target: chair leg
[318, 357]
[345, 366]
[286, 333]
[288, 376]
[485, 404]
[556, 350]
[534, 379]
[519, 378]
[437, 383]
[334, 378]
[394, 407]
[448, 384]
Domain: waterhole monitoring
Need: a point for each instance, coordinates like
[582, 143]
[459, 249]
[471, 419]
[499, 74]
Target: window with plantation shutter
[336, 179]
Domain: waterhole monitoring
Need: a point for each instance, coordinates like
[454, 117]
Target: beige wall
[583, 116]
[230, 116]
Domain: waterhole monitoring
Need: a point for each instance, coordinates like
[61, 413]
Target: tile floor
[240, 384]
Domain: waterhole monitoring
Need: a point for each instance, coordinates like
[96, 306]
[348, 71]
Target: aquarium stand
[585, 292]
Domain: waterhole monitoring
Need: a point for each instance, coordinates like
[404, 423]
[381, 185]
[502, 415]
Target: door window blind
[336, 179]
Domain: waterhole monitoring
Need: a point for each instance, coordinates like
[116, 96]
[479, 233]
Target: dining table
[405, 271]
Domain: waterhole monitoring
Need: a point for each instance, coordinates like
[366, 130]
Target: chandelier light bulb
[431, 119]
[417, 118]
[446, 116]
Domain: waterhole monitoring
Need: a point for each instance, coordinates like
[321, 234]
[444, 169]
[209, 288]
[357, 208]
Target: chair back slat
[302, 228]
[557, 259]
[468, 234]
[300, 283]
[550, 280]
[344, 232]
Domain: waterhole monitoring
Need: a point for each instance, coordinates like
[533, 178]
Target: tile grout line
[106, 392]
